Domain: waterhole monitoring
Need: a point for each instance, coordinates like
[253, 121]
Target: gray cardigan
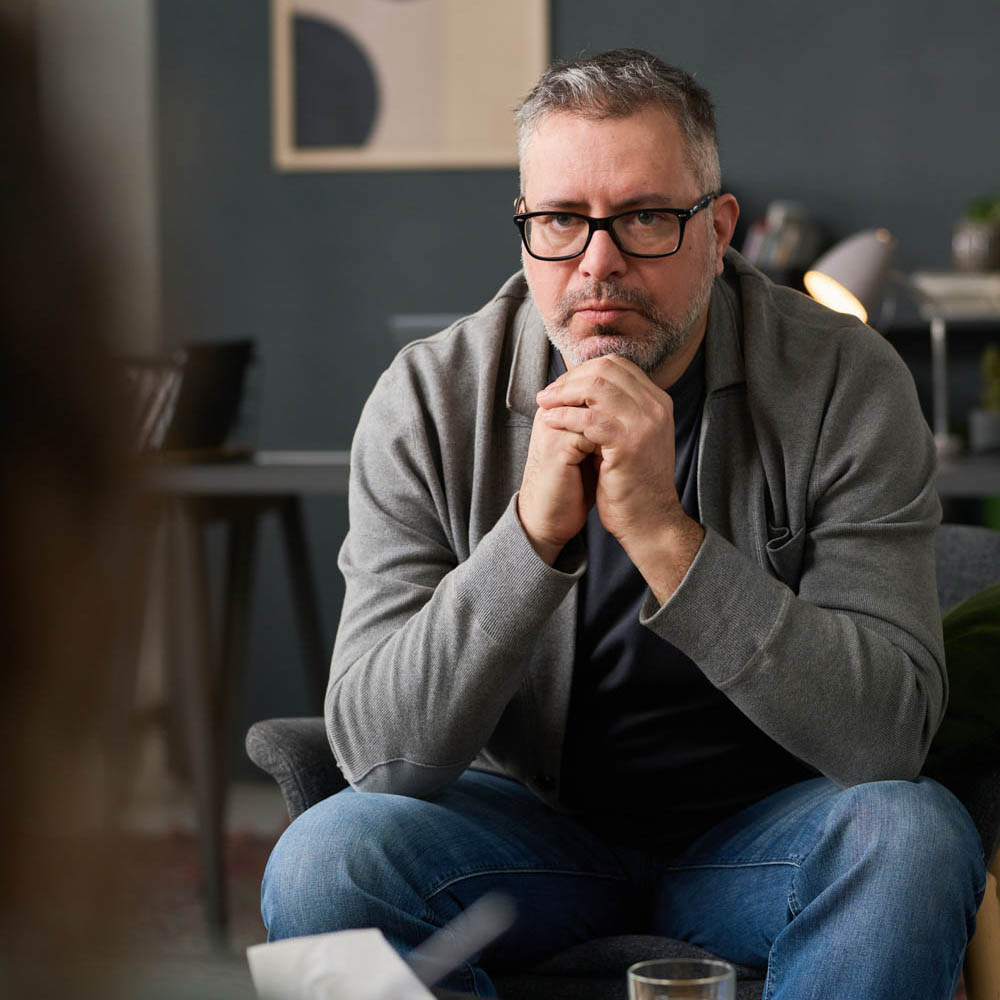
[811, 603]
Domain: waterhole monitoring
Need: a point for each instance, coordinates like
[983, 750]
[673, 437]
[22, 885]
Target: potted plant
[975, 241]
[984, 423]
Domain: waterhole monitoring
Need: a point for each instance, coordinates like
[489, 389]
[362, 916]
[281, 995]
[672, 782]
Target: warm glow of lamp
[849, 277]
[834, 295]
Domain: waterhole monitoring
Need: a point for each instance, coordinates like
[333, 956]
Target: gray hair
[620, 83]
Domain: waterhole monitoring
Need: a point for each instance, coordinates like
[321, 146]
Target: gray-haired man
[640, 622]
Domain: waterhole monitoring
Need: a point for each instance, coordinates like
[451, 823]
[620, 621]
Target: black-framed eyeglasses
[640, 232]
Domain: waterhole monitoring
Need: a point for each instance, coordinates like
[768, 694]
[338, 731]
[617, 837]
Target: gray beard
[663, 338]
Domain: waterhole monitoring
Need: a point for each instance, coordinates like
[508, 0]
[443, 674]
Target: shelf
[957, 295]
[971, 476]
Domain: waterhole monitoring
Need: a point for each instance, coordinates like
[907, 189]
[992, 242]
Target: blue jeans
[867, 892]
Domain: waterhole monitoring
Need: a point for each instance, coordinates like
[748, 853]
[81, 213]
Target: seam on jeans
[792, 898]
[794, 907]
[775, 961]
[784, 862]
[769, 978]
[959, 965]
[470, 976]
[451, 880]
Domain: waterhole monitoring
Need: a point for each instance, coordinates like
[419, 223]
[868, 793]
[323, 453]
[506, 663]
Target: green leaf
[986, 209]
[970, 731]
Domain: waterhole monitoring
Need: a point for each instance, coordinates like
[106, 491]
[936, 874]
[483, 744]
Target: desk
[969, 476]
[944, 297]
[265, 473]
[188, 498]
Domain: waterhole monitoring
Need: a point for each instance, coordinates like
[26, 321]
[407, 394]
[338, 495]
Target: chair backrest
[968, 560]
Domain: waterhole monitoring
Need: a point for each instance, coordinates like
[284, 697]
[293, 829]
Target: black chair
[296, 753]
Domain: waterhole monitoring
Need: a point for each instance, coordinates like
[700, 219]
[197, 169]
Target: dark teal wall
[869, 113]
[881, 113]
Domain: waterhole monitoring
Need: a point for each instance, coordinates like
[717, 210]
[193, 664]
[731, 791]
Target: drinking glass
[682, 979]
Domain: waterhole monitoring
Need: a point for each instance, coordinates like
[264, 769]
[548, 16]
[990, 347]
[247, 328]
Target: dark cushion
[965, 753]
[595, 970]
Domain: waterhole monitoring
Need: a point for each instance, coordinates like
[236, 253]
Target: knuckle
[661, 407]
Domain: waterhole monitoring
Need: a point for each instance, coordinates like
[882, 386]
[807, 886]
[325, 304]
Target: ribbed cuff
[723, 613]
[519, 591]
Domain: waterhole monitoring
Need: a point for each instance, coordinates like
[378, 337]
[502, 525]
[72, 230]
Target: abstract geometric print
[368, 84]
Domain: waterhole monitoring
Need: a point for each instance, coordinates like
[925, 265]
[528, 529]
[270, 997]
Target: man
[640, 622]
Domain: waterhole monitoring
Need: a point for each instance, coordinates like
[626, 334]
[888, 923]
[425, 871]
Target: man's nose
[602, 258]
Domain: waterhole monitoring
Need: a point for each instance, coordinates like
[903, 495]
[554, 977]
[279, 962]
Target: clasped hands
[604, 434]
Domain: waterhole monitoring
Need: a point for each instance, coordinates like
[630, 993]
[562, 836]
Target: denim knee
[910, 840]
[339, 865]
[920, 820]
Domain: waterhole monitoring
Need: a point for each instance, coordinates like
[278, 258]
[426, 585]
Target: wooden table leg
[314, 647]
[241, 552]
[194, 663]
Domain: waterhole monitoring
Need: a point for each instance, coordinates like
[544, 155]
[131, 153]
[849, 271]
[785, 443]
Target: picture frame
[402, 84]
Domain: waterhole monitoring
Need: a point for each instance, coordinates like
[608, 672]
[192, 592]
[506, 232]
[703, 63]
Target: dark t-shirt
[654, 753]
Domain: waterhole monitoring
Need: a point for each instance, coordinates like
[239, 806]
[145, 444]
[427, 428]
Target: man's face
[605, 302]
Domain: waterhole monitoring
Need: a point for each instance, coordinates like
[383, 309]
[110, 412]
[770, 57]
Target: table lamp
[850, 276]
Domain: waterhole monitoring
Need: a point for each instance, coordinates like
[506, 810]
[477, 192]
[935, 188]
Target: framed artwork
[401, 84]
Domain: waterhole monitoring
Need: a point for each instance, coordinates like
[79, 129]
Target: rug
[162, 895]
[164, 935]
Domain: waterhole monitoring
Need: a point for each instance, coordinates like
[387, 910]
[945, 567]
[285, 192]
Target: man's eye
[561, 220]
[646, 218]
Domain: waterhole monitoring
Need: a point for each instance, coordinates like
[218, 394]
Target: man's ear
[725, 212]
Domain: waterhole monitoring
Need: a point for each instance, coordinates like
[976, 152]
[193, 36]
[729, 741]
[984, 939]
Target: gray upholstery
[295, 752]
[968, 560]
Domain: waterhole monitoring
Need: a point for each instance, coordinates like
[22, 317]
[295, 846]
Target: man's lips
[601, 312]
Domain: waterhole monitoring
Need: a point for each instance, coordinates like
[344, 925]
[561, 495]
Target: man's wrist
[547, 551]
[664, 556]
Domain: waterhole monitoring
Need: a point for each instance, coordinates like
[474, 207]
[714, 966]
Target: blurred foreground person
[67, 559]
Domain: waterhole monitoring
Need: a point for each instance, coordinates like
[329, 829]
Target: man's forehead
[652, 117]
[556, 156]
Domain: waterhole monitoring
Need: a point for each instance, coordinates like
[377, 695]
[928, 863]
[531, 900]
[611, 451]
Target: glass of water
[682, 979]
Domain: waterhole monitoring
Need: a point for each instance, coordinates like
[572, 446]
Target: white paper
[343, 965]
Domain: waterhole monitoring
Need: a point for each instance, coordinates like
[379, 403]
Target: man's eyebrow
[651, 199]
[559, 204]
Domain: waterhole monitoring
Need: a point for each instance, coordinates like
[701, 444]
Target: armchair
[295, 752]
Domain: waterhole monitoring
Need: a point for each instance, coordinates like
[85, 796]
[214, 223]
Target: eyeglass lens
[642, 232]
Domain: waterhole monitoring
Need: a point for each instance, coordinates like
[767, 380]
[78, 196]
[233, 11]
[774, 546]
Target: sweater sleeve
[432, 640]
[845, 668]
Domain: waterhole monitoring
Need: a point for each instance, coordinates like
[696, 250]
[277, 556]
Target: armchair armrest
[296, 753]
